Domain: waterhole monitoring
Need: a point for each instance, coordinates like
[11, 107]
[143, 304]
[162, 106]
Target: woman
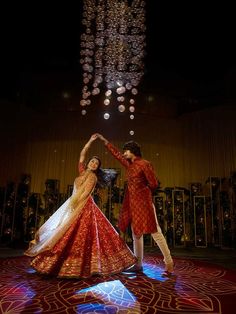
[78, 241]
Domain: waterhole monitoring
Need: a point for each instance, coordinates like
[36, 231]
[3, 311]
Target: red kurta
[138, 208]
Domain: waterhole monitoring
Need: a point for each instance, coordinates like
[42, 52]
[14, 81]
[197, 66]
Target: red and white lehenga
[78, 241]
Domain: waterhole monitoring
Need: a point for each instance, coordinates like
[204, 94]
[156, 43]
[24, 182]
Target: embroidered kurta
[79, 242]
[137, 208]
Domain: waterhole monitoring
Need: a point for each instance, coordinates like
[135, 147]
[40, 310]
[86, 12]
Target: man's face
[128, 155]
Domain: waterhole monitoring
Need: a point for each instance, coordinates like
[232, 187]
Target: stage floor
[201, 283]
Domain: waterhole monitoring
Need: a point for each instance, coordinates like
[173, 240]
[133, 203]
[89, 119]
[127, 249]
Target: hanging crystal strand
[87, 50]
[137, 43]
[138, 38]
[99, 46]
[112, 50]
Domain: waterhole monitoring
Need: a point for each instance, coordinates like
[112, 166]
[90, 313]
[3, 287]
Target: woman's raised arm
[86, 148]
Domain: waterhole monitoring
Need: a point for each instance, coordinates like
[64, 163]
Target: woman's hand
[93, 137]
[102, 138]
[86, 147]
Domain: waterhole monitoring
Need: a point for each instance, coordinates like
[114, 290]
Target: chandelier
[112, 53]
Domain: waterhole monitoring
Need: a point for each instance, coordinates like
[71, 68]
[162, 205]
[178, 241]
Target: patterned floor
[197, 287]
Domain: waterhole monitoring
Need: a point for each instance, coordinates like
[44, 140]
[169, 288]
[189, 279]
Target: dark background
[190, 53]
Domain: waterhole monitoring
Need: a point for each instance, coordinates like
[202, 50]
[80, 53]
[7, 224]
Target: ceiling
[190, 55]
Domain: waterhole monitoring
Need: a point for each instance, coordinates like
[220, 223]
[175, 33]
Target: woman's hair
[105, 177]
[133, 147]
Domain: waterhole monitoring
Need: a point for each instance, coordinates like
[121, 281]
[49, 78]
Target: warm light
[82, 102]
[108, 93]
[120, 90]
[132, 101]
[131, 132]
[106, 102]
[134, 91]
[131, 108]
[121, 108]
[106, 116]
[121, 98]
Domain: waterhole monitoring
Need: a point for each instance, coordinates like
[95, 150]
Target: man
[138, 209]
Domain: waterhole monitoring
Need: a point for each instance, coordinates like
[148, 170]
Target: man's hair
[133, 147]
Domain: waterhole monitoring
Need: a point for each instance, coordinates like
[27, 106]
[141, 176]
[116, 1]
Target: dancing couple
[78, 241]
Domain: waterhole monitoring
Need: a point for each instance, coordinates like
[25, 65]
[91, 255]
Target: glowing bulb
[131, 132]
[132, 101]
[134, 91]
[108, 92]
[106, 116]
[121, 108]
[132, 109]
[131, 116]
[121, 98]
[83, 102]
[128, 86]
[106, 102]
[119, 83]
[83, 112]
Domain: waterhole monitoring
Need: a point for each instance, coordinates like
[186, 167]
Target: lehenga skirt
[90, 246]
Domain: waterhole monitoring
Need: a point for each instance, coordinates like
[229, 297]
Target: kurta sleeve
[117, 154]
[150, 176]
[81, 167]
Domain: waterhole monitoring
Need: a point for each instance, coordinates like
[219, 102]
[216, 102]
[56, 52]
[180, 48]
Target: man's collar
[136, 158]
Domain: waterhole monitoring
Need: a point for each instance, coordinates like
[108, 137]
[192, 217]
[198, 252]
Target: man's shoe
[169, 268]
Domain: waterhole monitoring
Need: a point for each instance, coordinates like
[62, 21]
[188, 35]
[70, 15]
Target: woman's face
[93, 164]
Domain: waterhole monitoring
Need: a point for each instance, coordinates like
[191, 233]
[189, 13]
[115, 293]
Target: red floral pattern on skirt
[90, 246]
